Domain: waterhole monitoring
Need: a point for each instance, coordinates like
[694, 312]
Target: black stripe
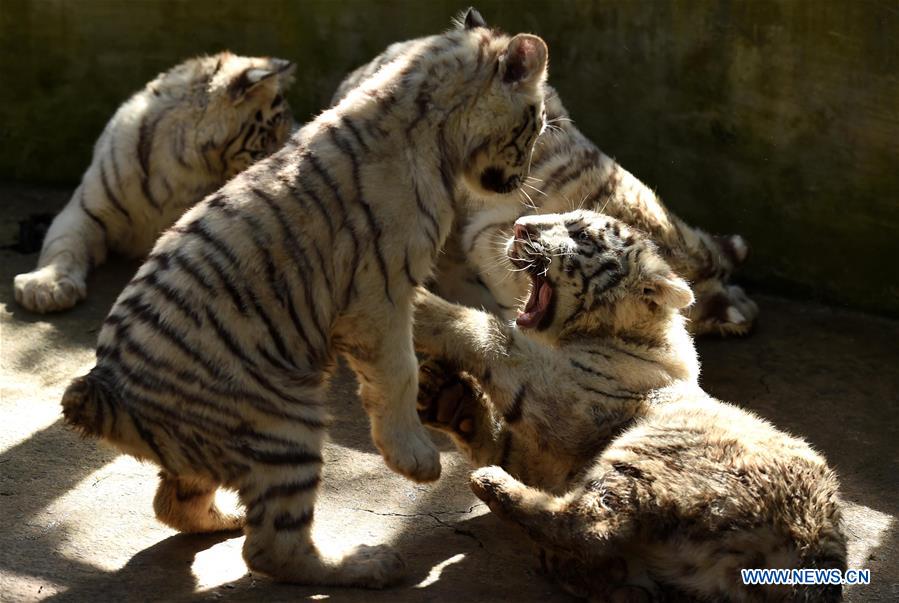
[408, 270]
[632, 355]
[228, 339]
[229, 287]
[226, 392]
[434, 231]
[285, 521]
[144, 151]
[143, 312]
[199, 228]
[514, 412]
[286, 490]
[229, 142]
[619, 396]
[367, 208]
[172, 295]
[147, 437]
[92, 215]
[305, 192]
[109, 194]
[292, 457]
[355, 132]
[591, 371]
[179, 144]
[115, 165]
[346, 223]
[192, 271]
[303, 270]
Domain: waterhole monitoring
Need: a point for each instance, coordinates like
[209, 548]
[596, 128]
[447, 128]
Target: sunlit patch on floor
[866, 529]
[219, 564]
[434, 575]
[22, 587]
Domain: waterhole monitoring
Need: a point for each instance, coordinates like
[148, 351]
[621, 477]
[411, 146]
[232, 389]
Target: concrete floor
[77, 523]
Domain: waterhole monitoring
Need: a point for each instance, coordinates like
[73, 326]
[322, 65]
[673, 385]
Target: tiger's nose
[522, 232]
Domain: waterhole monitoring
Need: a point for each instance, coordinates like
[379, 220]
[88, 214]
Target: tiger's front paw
[495, 487]
[446, 401]
[48, 290]
[407, 449]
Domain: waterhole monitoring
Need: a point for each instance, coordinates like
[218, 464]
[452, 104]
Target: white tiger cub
[175, 141]
[636, 484]
[569, 171]
[215, 360]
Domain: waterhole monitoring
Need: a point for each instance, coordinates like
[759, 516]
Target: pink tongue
[536, 306]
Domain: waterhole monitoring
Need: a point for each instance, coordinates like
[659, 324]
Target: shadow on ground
[78, 522]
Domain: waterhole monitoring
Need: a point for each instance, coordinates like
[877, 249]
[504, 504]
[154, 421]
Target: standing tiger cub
[215, 360]
[599, 442]
[171, 144]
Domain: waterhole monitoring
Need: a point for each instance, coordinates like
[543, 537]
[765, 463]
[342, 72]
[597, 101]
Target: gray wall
[775, 119]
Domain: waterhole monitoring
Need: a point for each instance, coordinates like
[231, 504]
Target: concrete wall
[775, 119]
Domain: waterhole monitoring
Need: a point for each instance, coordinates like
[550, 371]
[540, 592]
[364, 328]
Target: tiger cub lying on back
[602, 445]
[568, 171]
[171, 144]
[215, 360]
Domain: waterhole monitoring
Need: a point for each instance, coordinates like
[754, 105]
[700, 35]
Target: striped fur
[569, 172]
[597, 439]
[215, 359]
[172, 143]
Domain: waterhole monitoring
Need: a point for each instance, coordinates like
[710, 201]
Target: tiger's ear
[667, 290]
[273, 78]
[472, 19]
[524, 61]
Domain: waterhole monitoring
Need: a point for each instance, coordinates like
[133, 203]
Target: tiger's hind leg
[279, 495]
[187, 504]
[577, 523]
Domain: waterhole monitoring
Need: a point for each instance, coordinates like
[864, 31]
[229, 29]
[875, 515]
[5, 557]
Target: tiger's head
[507, 117]
[244, 113]
[592, 273]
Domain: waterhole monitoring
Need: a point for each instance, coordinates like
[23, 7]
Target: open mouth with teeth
[538, 311]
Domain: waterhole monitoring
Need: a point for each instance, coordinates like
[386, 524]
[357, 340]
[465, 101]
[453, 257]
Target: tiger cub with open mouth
[598, 441]
[175, 141]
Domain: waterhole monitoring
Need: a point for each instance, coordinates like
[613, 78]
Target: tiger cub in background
[215, 360]
[180, 138]
[599, 441]
[569, 172]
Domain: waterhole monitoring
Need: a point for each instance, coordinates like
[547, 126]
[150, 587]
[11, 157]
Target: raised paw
[409, 451]
[433, 376]
[493, 486]
[47, 290]
[446, 401]
[372, 567]
[727, 312]
[734, 247]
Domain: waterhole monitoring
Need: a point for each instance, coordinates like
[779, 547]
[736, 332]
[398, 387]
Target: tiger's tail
[93, 408]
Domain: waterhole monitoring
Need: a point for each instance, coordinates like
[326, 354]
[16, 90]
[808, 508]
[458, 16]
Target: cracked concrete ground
[77, 522]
